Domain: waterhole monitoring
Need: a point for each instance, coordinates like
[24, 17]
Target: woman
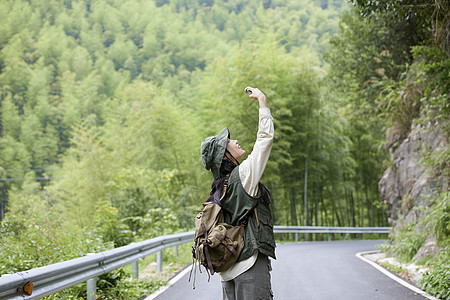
[246, 202]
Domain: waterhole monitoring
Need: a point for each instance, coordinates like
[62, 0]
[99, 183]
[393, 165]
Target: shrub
[408, 241]
[436, 281]
[39, 241]
[130, 289]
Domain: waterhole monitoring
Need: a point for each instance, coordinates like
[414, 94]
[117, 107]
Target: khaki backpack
[217, 245]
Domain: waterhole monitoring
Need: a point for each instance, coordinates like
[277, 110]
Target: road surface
[310, 270]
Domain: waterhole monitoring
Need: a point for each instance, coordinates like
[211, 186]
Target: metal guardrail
[39, 282]
[52, 278]
[328, 230]
[321, 229]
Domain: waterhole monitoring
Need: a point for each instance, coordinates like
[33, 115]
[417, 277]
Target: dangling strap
[205, 248]
[256, 215]
[190, 274]
[225, 186]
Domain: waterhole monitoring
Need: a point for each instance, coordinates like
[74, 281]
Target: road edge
[171, 282]
[392, 276]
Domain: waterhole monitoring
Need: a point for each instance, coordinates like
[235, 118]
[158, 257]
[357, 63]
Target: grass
[122, 287]
[172, 263]
[397, 270]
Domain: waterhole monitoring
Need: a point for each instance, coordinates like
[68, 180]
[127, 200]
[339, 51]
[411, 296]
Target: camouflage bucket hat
[213, 149]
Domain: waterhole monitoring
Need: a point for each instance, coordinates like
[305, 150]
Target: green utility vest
[237, 205]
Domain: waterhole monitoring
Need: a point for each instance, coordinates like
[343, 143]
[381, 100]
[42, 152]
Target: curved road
[310, 270]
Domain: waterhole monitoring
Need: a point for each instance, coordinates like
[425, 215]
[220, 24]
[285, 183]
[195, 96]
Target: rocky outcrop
[408, 184]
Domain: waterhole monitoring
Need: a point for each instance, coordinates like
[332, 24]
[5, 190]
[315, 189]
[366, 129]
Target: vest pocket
[266, 234]
[266, 226]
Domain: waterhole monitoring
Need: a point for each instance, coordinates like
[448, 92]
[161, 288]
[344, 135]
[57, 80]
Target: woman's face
[235, 150]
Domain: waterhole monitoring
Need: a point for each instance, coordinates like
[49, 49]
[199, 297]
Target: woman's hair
[217, 184]
[226, 167]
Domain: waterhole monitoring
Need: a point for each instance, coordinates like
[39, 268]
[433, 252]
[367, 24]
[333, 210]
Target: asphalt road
[310, 270]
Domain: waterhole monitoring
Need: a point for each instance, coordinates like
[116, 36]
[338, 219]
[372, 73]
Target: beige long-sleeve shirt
[250, 172]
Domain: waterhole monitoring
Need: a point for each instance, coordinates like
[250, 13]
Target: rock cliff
[408, 184]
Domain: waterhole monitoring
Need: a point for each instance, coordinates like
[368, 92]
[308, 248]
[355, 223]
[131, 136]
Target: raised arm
[251, 169]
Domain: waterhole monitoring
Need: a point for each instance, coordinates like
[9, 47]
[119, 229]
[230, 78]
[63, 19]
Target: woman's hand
[255, 93]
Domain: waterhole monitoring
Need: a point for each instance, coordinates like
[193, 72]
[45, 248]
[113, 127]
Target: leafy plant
[157, 221]
[440, 219]
[407, 242]
[41, 242]
[130, 289]
[109, 226]
[115, 285]
[436, 281]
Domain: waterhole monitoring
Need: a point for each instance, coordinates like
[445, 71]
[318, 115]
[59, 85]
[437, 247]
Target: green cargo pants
[253, 284]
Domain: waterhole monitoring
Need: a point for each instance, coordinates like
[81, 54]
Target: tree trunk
[366, 192]
[306, 190]
[348, 211]
[336, 211]
[2, 213]
[372, 212]
[3, 200]
[352, 209]
[316, 206]
[275, 209]
[293, 208]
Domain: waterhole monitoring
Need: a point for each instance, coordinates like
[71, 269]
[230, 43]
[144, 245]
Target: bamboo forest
[104, 105]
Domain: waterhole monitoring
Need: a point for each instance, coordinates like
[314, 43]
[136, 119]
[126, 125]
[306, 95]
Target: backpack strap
[256, 214]
[206, 247]
[230, 248]
[225, 186]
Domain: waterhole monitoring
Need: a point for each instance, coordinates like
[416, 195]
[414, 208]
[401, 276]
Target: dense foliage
[406, 60]
[109, 100]
[104, 105]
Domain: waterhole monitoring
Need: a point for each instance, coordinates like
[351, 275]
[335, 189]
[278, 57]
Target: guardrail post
[135, 270]
[91, 288]
[296, 236]
[159, 259]
[176, 250]
[329, 237]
